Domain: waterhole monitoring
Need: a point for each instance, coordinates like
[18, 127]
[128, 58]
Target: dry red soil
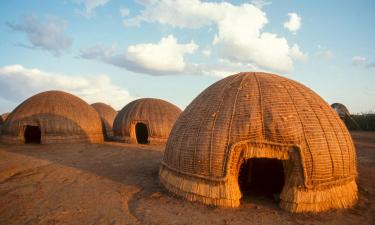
[115, 183]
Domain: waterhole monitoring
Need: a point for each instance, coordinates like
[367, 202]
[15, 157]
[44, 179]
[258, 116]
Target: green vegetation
[366, 121]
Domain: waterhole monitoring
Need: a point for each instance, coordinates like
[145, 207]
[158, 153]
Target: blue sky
[115, 51]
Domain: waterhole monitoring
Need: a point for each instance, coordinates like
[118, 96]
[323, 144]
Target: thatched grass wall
[158, 115]
[61, 117]
[259, 115]
[107, 115]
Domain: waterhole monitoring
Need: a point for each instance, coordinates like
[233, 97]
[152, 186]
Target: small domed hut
[345, 116]
[3, 117]
[146, 120]
[259, 132]
[341, 110]
[53, 117]
[107, 115]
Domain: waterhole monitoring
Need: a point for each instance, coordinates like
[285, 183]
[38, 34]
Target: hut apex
[259, 132]
[146, 120]
[52, 117]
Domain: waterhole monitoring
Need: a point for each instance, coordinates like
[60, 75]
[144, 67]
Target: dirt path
[116, 183]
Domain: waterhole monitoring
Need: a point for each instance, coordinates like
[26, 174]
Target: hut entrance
[32, 134]
[141, 133]
[262, 177]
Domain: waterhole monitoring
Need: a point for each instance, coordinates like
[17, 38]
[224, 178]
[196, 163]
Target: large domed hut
[146, 120]
[345, 116]
[107, 115]
[261, 134]
[53, 117]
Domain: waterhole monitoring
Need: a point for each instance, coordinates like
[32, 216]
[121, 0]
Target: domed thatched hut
[267, 132]
[52, 117]
[341, 110]
[3, 117]
[107, 115]
[344, 114]
[146, 120]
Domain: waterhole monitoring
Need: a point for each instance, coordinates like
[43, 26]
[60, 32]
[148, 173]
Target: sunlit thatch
[259, 115]
[55, 116]
[153, 117]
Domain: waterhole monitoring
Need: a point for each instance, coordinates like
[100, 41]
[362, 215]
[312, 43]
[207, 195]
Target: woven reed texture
[158, 115]
[62, 117]
[259, 115]
[107, 115]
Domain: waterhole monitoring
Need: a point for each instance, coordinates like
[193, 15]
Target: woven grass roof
[260, 115]
[61, 117]
[158, 115]
[107, 115]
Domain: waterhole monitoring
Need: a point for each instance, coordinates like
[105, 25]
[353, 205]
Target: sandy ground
[116, 183]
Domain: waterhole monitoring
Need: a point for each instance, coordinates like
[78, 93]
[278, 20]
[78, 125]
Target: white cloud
[167, 56]
[124, 12]
[190, 14]
[18, 83]
[206, 52]
[297, 54]
[325, 54]
[294, 23]
[362, 62]
[260, 3]
[145, 2]
[359, 60]
[162, 58]
[222, 68]
[97, 51]
[47, 34]
[91, 5]
[239, 37]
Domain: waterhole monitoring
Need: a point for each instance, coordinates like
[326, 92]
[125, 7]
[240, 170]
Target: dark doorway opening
[262, 177]
[141, 133]
[32, 134]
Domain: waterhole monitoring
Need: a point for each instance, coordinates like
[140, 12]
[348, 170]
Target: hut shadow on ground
[130, 165]
[124, 163]
[127, 164]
